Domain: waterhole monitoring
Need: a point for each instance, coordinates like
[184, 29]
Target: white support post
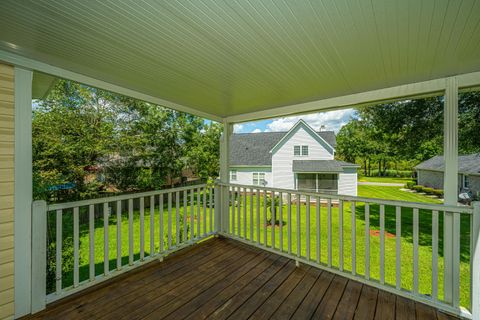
[475, 262]
[450, 152]
[39, 256]
[224, 172]
[217, 205]
[23, 191]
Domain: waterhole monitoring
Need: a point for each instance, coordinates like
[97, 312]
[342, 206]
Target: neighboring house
[300, 159]
[430, 172]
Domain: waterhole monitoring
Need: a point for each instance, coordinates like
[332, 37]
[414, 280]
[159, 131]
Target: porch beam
[31, 64]
[413, 90]
[451, 223]
[23, 191]
[225, 173]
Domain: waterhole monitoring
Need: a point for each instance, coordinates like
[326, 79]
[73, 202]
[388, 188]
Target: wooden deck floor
[222, 279]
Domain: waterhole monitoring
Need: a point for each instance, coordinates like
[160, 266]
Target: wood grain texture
[224, 279]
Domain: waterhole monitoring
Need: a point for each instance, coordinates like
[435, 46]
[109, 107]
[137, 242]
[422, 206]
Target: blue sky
[332, 120]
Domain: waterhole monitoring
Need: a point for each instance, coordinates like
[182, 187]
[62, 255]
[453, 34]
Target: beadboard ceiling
[233, 57]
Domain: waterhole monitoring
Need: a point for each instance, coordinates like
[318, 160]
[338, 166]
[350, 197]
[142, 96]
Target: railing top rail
[81, 203]
[405, 204]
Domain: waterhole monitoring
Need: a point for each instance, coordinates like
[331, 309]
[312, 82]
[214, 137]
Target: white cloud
[237, 128]
[256, 130]
[332, 120]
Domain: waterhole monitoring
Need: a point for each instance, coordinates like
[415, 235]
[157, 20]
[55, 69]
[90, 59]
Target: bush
[410, 185]
[428, 190]
[418, 188]
[393, 173]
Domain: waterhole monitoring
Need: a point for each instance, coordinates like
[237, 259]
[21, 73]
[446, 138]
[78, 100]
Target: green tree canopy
[79, 131]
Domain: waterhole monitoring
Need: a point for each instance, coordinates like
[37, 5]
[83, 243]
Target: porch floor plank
[224, 279]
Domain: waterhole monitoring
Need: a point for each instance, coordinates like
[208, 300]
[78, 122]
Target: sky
[332, 120]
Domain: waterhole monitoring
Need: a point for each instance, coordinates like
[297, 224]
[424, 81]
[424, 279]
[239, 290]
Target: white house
[300, 159]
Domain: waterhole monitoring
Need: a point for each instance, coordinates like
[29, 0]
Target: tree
[71, 131]
[204, 154]
[407, 132]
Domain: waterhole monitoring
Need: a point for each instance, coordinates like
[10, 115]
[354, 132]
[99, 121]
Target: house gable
[295, 129]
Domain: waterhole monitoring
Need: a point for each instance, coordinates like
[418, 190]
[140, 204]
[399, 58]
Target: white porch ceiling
[227, 58]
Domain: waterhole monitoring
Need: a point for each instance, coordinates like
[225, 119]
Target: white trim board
[23, 191]
[31, 64]
[413, 90]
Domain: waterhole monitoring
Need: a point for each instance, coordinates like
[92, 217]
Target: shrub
[418, 188]
[428, 190]
[393, 173]
[410, 185]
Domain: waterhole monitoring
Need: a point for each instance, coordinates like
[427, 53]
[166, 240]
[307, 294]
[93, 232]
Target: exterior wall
[475, 185]
[434, 179]
[7, 130]
[282, 159]
[245, 175]
[431, 179]
[347, 184]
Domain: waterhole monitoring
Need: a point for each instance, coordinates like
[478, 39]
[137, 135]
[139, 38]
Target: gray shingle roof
[253, 149]
[321, 165]
[469, 164]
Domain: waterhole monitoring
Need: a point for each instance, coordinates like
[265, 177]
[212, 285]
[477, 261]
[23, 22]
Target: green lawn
[393, 193]
[204, 223]
[384, 179]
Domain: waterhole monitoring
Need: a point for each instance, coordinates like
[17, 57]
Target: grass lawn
[384, 179]
[67, 223]
[394, 193]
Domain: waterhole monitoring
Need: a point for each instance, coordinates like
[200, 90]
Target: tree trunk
[365, 166]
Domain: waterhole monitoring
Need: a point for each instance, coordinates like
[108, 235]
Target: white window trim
[301, 146]
[260, 178]
[299, 151]
[466, 179]
[233, 175]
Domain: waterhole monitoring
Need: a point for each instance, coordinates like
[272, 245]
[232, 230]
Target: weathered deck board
[224, 279]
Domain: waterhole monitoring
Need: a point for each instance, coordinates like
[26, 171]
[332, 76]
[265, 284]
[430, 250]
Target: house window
[300, 150]
[233, 175]
[259, 178]
[304, 150]
[296, 150]
[466, 182]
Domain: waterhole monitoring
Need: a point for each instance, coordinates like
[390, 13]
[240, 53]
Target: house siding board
[475, 185]
[434, 179]
[245, 175]
[347, 184]
[282, 159]
[7, 129]
[431, 179]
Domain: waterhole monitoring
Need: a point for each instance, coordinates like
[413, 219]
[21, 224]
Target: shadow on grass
[424, 230]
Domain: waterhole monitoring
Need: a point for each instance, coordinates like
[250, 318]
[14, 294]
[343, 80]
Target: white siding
[347, 184]
[245, 175]
[282, 159]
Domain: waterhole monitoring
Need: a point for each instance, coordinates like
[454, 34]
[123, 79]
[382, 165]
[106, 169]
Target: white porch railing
[154, 223]
[392, 245]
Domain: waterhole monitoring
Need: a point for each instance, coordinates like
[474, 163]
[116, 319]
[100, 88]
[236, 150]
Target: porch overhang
[321, 166]
[244, 61]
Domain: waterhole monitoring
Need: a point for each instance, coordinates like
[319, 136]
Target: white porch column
[23, 191]
[225, 172]
[451, 221]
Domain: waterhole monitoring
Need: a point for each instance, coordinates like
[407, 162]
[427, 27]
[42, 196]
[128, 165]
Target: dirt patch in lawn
[376, 233]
